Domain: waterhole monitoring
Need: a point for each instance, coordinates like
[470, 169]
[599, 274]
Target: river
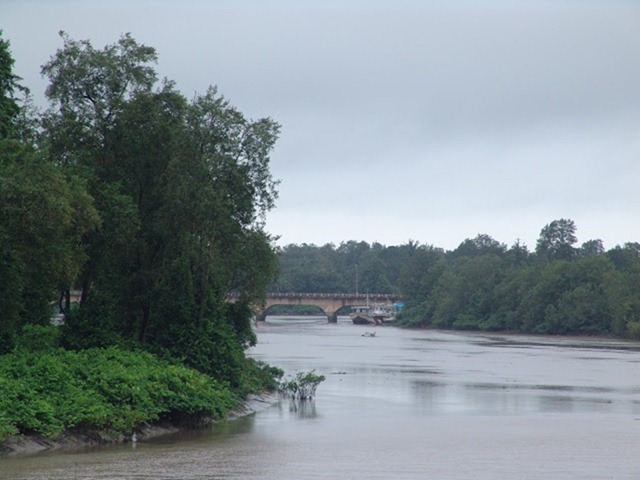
[404, 404]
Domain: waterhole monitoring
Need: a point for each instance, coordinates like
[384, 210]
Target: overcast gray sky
[425, 120]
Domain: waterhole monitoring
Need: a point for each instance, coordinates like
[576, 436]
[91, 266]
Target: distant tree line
[560, 288]
[350, 267]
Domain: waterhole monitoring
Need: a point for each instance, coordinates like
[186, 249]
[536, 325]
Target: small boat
[369, 334]
[375, 314]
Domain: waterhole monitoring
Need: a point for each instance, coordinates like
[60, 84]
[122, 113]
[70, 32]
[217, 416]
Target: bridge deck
[330, 303]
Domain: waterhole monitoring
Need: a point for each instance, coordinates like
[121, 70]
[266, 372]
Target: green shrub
[35, 338]
[107, 389]
[259, 377]
[6, 427]
[633, 330]
[303, 386]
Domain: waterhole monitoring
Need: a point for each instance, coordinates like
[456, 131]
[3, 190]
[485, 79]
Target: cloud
[431, 121]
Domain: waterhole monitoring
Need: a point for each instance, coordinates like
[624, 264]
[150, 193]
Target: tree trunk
[145, 322]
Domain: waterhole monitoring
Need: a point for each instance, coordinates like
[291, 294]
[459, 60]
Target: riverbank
[22, 445]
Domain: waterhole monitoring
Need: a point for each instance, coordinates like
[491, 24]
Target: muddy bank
[78, 440]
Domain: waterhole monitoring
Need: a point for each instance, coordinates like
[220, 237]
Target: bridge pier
[332, 317]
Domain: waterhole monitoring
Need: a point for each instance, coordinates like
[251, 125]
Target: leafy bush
[108, 389]
[633, 330]
[85, 329]
[259, 377]
[35, 338]
[303, 386]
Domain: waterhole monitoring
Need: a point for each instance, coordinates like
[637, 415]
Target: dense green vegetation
[560, 288]
[152, 207]
[52, 390]
[47, 390]
[352, 266]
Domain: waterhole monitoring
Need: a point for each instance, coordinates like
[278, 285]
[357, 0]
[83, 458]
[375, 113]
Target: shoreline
[69, 441]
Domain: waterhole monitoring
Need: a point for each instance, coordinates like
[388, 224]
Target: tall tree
[480, 245]
[182, 189]
[557, 239]
[9, 86]
[89, 89]
[44, 217]
[592, 247]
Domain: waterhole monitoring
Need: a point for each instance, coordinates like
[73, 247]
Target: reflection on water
[302, 408]
[405, 405]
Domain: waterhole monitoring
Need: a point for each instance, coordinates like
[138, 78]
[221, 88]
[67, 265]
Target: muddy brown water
[404, 404]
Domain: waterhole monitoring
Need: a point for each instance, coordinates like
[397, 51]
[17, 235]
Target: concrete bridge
[330, 303]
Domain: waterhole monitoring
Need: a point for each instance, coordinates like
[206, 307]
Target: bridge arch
[329, 303]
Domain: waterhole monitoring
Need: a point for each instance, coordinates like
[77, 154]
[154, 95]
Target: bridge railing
[363, 296]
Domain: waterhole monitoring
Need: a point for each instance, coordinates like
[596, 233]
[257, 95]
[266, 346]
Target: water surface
[405, 404]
